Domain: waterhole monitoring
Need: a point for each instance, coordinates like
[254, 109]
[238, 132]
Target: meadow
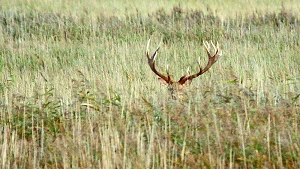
[76, 90]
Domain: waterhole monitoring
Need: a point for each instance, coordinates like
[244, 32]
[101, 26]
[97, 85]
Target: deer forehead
[177, 85]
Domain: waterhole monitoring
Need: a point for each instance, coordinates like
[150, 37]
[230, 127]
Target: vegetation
[76, 90]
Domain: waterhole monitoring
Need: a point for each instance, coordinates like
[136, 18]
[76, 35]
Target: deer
[174, 86]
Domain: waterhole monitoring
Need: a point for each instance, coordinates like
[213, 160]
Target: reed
[77, 92]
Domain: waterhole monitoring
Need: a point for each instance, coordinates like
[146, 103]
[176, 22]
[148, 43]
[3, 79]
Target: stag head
[175, 85]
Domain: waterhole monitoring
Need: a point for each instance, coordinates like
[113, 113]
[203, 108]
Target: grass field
[76, 90]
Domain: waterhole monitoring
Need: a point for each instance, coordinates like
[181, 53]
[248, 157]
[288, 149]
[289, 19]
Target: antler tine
[219, 51]
[147, 48]
[152, 58]
[188, 71]
[215, 48]
[207, 47]
[151, 62]
[198, 61]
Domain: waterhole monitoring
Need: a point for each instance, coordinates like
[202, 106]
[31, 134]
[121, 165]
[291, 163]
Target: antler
[151, 62]
[211, 60]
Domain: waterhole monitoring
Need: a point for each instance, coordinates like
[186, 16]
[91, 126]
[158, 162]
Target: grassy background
[76, 90]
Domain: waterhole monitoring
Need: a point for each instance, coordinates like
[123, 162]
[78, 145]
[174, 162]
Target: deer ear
[162, 81]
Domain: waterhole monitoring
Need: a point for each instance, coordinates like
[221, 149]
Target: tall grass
[76, 90]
